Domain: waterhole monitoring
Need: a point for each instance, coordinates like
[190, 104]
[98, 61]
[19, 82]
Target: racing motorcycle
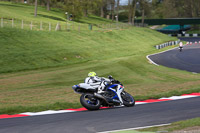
[180, 49]
[114, 95]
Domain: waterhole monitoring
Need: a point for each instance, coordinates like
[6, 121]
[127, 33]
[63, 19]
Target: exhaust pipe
[101, 97]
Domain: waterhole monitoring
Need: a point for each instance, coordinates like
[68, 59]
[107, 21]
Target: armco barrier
[171, 43]
[185, 35]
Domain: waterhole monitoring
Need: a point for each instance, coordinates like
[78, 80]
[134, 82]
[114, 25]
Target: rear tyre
[127, 99]
[90, 102]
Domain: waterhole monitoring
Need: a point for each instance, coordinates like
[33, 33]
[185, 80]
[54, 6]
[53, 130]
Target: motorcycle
[180, 49]
[114, 95]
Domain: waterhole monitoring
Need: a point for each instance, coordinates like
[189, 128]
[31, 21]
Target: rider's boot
[100, 90]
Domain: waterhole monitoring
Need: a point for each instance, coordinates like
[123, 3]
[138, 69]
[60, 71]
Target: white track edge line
[136, 103]
[156, 54]
[136, 128]
[47, 112]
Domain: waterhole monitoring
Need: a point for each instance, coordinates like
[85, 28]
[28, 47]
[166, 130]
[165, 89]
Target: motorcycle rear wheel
[90, 102]
[128, 100]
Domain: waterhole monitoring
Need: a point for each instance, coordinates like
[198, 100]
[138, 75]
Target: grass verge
[186, 126]
[66, 105]
[39, 68]
[191, 125]
[55, 106]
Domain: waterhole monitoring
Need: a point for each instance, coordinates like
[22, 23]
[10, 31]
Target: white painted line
[179, 97]
[137, 103]
[47, 112]
[194, 73]
[136, 128]
[152, 62]
[156, 54]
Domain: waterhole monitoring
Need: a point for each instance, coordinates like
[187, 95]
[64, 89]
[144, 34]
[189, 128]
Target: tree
[143, 7]
[191, 8]
[90, 6]
[134, 3]
[74, 8]
[35, 8]
[132, 9]
[86, 4]
[103, 6]
[117, 11]
[48, 5]
[112, 3]
[176, 8]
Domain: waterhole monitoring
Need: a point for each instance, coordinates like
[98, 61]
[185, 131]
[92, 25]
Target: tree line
[114, 10]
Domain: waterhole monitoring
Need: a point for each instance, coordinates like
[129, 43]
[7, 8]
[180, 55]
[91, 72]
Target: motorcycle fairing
[83, 87]
[117, 91]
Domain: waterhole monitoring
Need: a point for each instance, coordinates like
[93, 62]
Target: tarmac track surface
[188, 59]
[105, 120]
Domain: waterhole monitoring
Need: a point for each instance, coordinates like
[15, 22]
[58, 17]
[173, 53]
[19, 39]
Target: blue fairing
[112, 86]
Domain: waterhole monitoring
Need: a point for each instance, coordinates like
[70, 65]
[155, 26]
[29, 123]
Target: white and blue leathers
[97, 82]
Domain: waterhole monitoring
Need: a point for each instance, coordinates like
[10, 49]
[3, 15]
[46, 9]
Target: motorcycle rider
[180, 46]
[97, 82]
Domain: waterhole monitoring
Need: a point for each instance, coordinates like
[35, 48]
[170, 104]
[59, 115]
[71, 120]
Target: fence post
[1, 22]
[31, 25]
[22, 24]
[68, 27]
[49, 26]
[58, 27]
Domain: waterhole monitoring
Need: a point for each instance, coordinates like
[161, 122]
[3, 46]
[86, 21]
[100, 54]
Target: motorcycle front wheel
[128, 100]
[90, 102]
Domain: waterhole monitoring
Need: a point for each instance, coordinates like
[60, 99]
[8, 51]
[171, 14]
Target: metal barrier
[171, 43]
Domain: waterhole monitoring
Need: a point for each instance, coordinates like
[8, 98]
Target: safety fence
[185, 35]
[63, 26]
[171, 43]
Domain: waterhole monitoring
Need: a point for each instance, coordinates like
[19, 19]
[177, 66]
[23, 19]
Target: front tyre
[127, 99]
[90, 102]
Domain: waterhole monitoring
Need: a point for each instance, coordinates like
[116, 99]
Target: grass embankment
[38, 68]
[62, 59]
[25, 12]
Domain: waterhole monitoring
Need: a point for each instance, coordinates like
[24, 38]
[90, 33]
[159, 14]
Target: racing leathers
[98, 82]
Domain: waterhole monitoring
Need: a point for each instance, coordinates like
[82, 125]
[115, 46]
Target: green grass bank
[186, 126]
[18, 14]
[38, 68]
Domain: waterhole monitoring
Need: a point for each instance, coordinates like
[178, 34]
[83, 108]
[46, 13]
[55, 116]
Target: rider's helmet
[91, 74]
